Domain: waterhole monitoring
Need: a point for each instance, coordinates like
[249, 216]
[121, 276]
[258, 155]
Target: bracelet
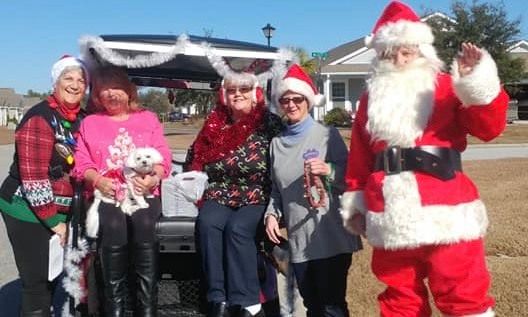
[96, 180]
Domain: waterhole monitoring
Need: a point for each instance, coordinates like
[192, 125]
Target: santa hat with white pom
[398, 25]
[296, 80]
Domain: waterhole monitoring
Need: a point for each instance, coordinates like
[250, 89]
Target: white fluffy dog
[141, 162]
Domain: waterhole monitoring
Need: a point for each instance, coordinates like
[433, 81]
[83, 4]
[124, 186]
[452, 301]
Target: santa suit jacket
[413, 208]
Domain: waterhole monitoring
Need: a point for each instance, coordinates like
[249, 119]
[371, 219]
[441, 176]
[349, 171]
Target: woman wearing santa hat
[232, 148]
[36, 195]
[307, 167]
[406, 190]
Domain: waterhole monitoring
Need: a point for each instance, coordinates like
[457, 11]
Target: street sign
[321, 55]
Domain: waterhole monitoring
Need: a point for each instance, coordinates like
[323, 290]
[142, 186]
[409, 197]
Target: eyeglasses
[242, 89]
[296, 100]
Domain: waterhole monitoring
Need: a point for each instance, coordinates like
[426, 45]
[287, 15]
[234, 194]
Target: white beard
[400, 101]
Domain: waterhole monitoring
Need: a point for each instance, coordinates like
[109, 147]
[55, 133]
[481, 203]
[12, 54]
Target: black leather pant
[130, 242]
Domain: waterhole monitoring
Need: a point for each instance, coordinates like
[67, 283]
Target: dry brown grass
[503, 186]
[180, 141]
[514, 133]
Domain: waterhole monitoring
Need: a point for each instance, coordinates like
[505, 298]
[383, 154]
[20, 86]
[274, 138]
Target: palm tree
[308, 64]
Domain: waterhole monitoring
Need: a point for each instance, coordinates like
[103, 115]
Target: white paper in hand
[56, 257]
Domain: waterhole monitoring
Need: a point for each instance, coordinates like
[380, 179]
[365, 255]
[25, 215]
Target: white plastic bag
[191, 184]
[179, 192]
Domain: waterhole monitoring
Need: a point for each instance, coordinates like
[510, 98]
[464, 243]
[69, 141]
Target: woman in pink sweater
[106, 139]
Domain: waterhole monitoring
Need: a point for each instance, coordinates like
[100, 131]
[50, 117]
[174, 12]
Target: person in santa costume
[406, 191]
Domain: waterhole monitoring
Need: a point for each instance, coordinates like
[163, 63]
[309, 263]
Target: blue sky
[34, 34]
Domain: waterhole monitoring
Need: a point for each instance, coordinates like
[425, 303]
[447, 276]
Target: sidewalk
[6, 136]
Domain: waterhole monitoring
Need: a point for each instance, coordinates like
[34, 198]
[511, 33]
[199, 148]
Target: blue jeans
[229, 254]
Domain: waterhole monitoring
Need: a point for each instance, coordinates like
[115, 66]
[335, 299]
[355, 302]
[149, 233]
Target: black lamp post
[268, 32]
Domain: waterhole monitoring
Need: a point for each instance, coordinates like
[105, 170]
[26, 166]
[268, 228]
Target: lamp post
[268, 32]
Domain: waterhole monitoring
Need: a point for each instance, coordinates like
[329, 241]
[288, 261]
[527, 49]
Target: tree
[155, 100]
[202, 99]
[42, 96]
[485, 25]
[308, 64]
[338, 117]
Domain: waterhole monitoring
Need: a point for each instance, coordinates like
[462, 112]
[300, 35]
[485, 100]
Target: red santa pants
[457, 276]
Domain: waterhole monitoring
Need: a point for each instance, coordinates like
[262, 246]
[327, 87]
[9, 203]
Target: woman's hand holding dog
[106, 186]
[145, 185]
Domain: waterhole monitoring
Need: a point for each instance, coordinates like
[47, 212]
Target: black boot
[114, 263]
[218, 310]
[36, 313]
[146, 268]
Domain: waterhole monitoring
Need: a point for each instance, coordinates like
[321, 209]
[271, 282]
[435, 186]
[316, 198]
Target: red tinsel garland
[218, 138]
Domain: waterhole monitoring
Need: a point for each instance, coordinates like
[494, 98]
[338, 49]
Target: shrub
[338, 117]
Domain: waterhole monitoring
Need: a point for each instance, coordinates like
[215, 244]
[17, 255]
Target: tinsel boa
[217, 137]
[73, 273]
[88, 42]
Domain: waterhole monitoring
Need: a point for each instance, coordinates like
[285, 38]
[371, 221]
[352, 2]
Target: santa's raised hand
[468, 58]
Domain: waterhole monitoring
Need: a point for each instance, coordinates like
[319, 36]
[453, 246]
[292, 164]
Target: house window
[338, 91]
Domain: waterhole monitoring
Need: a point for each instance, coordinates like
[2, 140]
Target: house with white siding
[343, 72]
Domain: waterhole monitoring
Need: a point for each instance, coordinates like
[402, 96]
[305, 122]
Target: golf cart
[181, 62]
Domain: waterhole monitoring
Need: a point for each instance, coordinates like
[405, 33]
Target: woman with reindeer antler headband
[232, 148]
[307, 167]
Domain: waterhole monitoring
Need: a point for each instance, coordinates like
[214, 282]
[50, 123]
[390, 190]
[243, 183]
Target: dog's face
[142, 160]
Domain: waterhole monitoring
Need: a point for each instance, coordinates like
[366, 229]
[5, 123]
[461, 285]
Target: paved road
[8, 270]
[8, 273]
[495, 151]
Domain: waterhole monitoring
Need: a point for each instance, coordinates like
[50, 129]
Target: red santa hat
[64, 62]
[296, 80]
[399, 25]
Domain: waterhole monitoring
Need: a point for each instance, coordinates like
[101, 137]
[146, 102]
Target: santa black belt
[441, 162]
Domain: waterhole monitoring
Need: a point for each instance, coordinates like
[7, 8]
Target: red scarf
[217, 138]
[67, 113]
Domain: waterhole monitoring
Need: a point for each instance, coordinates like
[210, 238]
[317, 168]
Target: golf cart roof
[169, 60]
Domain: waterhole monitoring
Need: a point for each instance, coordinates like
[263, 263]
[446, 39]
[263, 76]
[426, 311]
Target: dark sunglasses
[242, 89]
[296, 100]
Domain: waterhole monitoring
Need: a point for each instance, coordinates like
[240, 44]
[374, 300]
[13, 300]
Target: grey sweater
[312, 234]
